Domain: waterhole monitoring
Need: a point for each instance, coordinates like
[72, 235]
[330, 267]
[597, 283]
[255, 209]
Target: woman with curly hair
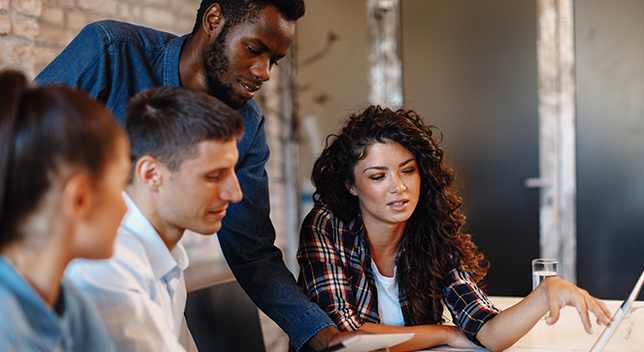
[384, 246]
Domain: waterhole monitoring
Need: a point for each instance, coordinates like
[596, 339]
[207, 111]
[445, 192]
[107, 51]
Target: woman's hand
[458, 339]
[560, 293]
[552, 294]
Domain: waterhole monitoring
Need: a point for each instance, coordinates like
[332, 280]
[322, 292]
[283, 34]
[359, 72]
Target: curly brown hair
[433, 243]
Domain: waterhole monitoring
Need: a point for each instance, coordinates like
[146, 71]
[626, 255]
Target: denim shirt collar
[171, 61]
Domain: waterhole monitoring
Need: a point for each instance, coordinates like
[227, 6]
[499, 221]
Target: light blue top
[27, 323]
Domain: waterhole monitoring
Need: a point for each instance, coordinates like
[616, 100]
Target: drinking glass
[543, 268]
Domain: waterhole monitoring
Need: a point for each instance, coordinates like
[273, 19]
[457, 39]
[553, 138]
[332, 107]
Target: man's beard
[216, 64]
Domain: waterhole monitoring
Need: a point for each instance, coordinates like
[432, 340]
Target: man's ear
[77, 195]
[213, 21]
[148, 171]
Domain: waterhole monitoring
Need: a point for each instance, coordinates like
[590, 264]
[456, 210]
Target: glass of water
[543, 268]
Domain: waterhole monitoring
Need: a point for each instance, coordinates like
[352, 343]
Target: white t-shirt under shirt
[388, 302]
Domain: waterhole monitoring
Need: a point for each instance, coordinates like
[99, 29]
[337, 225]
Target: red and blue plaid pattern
[336, 274]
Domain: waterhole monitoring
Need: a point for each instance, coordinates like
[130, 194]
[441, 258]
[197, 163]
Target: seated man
[183, 151]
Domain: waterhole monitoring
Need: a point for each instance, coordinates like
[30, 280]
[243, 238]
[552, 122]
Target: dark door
[609, 44]
[470, 67]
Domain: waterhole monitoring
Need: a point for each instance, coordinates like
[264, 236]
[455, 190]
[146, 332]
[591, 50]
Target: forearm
[425, 336]
[552, 294]
[513, 323]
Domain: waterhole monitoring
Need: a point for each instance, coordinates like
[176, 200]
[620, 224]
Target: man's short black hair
[168, 123]
[238, 11]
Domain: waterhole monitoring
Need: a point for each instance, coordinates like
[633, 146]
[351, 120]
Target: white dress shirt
[140, 291]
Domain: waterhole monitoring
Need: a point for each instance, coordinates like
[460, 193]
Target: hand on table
[459, 340]
[330, 336]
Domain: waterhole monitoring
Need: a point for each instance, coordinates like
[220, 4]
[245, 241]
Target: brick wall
[33, 32]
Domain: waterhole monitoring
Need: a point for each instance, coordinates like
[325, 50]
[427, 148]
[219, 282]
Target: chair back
[222, 318]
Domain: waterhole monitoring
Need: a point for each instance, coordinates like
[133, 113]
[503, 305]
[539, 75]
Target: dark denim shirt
[112, 61]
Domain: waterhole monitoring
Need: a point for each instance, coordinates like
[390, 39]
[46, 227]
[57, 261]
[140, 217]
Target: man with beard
[229, 54]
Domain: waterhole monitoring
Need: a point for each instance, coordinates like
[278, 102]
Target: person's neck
[191, 64]
[41, 264]
[384, 243]
[169, 234]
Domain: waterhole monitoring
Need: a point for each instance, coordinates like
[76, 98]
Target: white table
[568, 333]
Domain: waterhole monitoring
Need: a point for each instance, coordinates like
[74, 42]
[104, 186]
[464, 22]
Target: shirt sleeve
[323, 272]
[247, 241]
[469, 306]
[133, 320]
[84, 64]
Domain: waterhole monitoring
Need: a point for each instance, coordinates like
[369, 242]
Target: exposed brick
[184, 25]
[92, 17]
[43, 55]
[159, 3]
[22, 58]
[53, 35]
[158, 18]
[53, 15]
[50, 3]
[186, 8]
[28, 7]
[5, 24]
[76, 20]
[67, 3]
[25, 27]
[129, 12]
[99, 7]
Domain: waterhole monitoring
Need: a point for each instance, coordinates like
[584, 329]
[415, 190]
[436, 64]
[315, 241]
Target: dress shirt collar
[161, 259]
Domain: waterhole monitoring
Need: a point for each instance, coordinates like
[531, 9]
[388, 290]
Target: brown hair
[168, 122]
[43, 130]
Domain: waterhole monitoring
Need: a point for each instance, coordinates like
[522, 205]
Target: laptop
[618, 316]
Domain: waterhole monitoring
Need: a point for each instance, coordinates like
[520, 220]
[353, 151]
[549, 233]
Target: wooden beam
[279, 106]
[556, 64]
[385, 64]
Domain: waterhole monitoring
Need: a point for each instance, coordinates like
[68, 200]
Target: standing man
[229, 54]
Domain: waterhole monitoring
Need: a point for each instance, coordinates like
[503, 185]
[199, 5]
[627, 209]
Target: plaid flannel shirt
[336, 273]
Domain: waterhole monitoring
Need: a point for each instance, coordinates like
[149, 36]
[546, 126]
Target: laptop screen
[622, 330]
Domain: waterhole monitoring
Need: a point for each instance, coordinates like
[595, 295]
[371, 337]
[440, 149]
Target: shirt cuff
[475, 323]
[307, 326]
